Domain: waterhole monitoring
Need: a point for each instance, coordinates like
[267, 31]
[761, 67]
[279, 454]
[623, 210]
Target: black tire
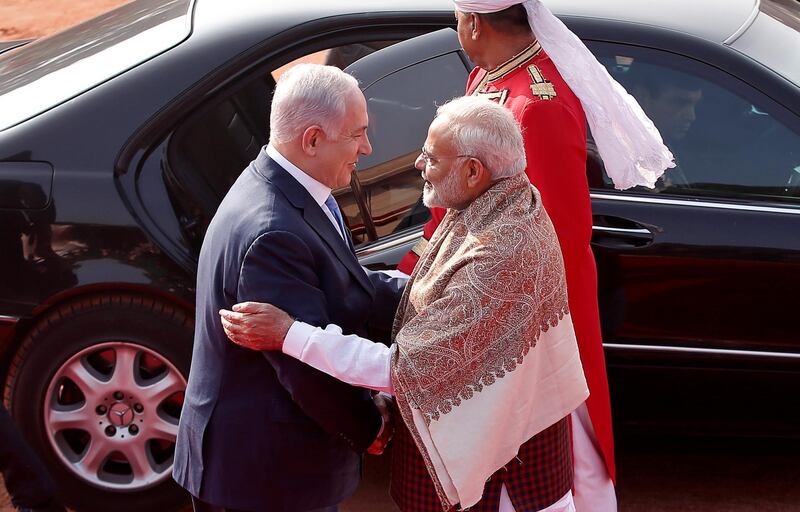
[97, 336]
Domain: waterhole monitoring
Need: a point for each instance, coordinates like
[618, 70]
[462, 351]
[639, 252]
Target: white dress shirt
[349, 358]
[317, 190]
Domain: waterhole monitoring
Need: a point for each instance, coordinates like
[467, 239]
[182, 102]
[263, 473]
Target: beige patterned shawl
[487, 356]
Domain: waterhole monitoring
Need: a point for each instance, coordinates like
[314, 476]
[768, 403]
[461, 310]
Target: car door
[710, 258]
[697, 278]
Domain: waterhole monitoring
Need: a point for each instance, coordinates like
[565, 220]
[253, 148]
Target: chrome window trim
[404, 239]
[692, 202]
[389, 244]
[9, 319]
[749, 21]
[707, 351]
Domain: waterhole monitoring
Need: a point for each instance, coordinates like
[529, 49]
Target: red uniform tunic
[554, 131]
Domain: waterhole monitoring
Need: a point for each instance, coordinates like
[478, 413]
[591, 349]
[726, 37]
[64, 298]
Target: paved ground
[23, 19]
[673, 475]
[657, 475]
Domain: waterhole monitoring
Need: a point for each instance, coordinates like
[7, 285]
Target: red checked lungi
[539, 477]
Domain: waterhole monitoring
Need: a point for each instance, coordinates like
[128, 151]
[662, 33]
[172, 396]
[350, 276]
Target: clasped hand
[256, 325]
[383, 402]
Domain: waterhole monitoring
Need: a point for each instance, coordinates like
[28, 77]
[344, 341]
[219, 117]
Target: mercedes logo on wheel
[120, 414]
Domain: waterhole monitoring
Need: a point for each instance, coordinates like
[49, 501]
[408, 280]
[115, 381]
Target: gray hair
[306, 95]
[487, 131]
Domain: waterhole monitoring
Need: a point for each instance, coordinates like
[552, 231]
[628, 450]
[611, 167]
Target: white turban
[629, 143]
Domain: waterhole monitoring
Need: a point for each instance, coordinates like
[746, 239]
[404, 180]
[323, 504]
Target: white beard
[445, 195]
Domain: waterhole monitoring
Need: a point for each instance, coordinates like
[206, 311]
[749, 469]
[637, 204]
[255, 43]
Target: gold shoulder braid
[540, 87]
[497, 96]
[514, 62]
[507, 67]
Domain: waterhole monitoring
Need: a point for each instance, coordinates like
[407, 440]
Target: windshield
[49, 71]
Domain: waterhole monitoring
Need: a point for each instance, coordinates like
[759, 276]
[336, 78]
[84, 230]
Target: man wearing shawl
[484, 365]
[529, 62]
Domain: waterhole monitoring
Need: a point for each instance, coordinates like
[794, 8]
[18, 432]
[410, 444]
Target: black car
[120, 136]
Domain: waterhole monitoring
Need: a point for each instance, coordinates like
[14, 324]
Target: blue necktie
[334, 208]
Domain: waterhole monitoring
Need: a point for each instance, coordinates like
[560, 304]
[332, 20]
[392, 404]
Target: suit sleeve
[279, 269]
[388, 291]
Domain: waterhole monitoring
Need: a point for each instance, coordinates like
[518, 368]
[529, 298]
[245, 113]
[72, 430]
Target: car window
[729, 141]
[212, 148]
[208, 149]
[341, 56]
[387, 188]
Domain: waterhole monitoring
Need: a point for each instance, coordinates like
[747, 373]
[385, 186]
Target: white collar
[317, 190]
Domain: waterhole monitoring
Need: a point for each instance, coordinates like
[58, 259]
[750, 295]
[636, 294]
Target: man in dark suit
[262, 431]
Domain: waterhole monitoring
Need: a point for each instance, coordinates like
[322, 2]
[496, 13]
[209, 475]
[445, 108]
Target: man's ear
[477, 173]
[475, 26]
[312, 136]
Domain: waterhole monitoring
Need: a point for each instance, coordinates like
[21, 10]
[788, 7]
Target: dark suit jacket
[263, 431]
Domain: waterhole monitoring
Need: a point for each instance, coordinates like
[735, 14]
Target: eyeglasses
[433, 160]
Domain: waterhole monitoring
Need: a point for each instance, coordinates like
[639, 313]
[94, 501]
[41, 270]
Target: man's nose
[419, 163]
[366, 146]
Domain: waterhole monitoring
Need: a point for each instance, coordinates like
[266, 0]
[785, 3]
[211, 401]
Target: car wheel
[97, 387]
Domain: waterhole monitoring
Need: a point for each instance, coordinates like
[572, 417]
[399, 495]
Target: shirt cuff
[397, 274]
[296, 338]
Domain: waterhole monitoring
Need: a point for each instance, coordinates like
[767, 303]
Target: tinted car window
[217, 143]
[387, 189]
[728, 140]
[209, 149]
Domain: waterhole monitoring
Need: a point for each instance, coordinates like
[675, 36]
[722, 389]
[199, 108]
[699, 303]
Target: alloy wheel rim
[111, 415]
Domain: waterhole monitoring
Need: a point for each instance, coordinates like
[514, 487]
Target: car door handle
[617, 232]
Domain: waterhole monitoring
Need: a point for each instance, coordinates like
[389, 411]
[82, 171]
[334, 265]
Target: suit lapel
[313, 215]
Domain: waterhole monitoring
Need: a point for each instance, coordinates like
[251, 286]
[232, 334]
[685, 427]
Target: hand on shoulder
[256, 326]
